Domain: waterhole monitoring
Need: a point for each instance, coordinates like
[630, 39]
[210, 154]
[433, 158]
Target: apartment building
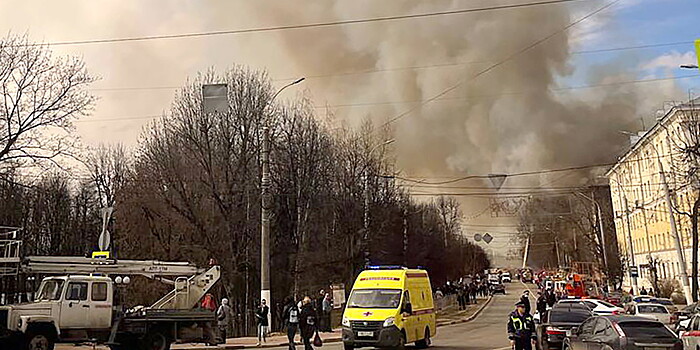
[642, 218]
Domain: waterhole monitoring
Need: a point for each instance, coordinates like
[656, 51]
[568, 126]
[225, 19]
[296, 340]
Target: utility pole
[265, 221]
[365, 235]
[635, 285]
[527, 251]
[676, 236]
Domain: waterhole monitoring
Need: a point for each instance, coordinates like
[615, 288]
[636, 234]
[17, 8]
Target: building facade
[642, 215]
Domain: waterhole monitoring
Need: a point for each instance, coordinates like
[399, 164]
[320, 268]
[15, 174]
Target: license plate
[365, 334]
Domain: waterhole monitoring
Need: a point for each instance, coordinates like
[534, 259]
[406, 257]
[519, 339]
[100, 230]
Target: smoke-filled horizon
[506, 121]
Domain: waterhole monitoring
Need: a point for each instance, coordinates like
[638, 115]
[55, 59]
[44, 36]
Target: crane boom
[83, 265]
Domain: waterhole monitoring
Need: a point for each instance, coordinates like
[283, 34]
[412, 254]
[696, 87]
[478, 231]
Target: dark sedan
[557, 321]
[621, 332]
[497, 288]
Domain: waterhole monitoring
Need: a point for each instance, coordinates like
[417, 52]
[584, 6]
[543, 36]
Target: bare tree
[685, 160]
[41, 96]
[109, 166]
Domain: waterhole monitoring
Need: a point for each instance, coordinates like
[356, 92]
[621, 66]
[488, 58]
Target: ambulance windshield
[375, 298]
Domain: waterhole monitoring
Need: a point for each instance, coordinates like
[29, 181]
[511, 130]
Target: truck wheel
[39, 341]
[155, 341]
[425, 342]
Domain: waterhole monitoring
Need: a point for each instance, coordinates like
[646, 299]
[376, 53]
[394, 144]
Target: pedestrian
[261, 316]
[541, 304]
[551, 298]
[643, 291]
[291, 320]
[223, 317]
[460, 298]
[521, 328]
[525, 299]
[307, 322]
[327, 306]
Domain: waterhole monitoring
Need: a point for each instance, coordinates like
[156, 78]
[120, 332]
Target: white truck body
[73, 308]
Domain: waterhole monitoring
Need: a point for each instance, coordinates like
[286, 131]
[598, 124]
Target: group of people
[468, 292]
[307, 316]
[307, 319]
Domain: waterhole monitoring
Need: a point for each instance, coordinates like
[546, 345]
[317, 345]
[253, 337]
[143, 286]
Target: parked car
[684, 314]
[505, 277]
[573, 302]
[498, 288]
[668, 303]
[652, 311]
[601, 307]
[614, 298]
[690, 334]
[552, 329]
[618, 332]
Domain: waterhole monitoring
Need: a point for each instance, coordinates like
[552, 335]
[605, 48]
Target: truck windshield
[50, 290]
[375, 298]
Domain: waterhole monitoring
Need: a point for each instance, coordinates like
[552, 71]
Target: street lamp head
[689, 66]
[388, 142]
[298, 81]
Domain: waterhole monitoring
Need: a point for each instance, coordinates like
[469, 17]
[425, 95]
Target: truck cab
[67, 308]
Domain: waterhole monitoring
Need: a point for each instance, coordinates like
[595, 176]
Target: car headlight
[389, 322]
[346, 322]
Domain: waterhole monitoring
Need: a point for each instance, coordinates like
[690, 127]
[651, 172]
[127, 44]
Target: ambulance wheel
[402, 342]
[425, 342]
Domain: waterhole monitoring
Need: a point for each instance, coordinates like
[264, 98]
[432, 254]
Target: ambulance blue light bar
[386, 267]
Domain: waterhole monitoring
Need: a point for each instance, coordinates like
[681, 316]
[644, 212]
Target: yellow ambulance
[389, 307]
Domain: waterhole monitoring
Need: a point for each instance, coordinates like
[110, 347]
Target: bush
[667, 287]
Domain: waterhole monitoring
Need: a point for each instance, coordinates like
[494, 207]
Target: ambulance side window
[406, 300]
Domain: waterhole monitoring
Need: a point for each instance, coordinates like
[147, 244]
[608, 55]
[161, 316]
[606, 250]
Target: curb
[470, 318]
[251, 346]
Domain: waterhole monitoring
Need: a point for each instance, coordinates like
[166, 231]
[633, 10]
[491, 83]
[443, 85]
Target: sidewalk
[451, 315]
[275, 340]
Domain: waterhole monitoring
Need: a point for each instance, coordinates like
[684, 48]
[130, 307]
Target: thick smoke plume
[508, 120]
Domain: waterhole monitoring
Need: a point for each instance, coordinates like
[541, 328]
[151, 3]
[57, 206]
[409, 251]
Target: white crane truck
[77, 304]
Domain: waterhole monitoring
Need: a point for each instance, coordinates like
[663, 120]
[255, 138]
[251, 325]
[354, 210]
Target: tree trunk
[694, 262]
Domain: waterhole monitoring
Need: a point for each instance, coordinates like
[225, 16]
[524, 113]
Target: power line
[307, 25]
[500, 63]
[638, 47]
[437, 65]
[380, 103]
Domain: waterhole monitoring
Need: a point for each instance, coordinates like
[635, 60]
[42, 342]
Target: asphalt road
[486, 332]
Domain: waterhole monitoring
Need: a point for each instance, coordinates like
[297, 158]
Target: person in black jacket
[521, 328]
[307, 322]
[290, 317]
[261, 317]
[541, 304]
[525, 299]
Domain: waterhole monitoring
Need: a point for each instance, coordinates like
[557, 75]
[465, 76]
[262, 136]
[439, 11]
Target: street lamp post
[265, 293]
[365, 236]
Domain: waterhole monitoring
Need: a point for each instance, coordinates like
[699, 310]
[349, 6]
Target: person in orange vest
[208, 302]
